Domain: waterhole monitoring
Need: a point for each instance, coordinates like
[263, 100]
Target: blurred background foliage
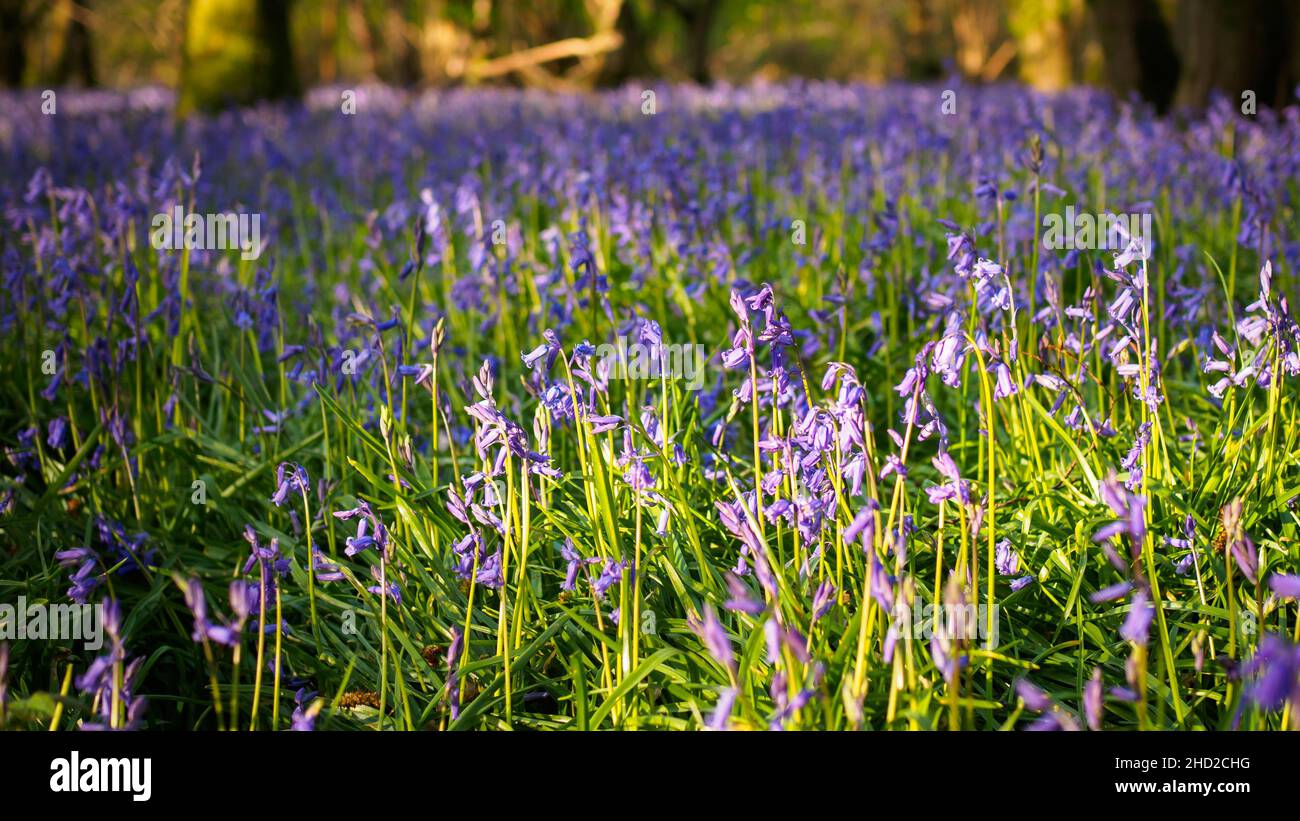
[217, 52]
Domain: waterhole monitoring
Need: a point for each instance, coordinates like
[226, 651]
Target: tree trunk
[1233, 47]
[700, 39]
[632, 60]
[14, 22]
[697, 20]
[920, 34]
[236, 52]
[1139, 50]
[77, 61]
[1043, 31]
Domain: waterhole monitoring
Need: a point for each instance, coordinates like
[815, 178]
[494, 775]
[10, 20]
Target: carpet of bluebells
[381, 476]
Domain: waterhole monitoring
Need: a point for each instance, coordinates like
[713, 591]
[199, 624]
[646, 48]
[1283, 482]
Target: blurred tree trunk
[975, 25]
[1046, 32]
[76, 60]
[358, 36]
[1233, 47]
[920, 58]
[1293, 70]
[399, 62]
[403, 24]
[632, 61]
[1138, 47]
[327, 62]
[17, 19]
[236, 52]
[697, 18]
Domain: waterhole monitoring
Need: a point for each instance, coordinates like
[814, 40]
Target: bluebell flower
[1138, 623]
[489, 572]
[306, 710]
[1285, 585]
[390, 588]
[574, 562]
[714, 637]
[611, 575]
[722, 711]
[1273, 673]
[1006, 560]
[325, 571]
[1092, 700]
[289, 477]
[57, 437]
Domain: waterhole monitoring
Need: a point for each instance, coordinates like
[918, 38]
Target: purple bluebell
[741, 598]
[1033, 696]
[305, 711]
[714, 637]
[574, 561]
[1138, 622]
[454, 651]
[823, 600]
[722, 711]
[1273, 673]
[1092, 699]
[1006, 560]
[289, 478]
[1285, 585]
[1115, 591]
